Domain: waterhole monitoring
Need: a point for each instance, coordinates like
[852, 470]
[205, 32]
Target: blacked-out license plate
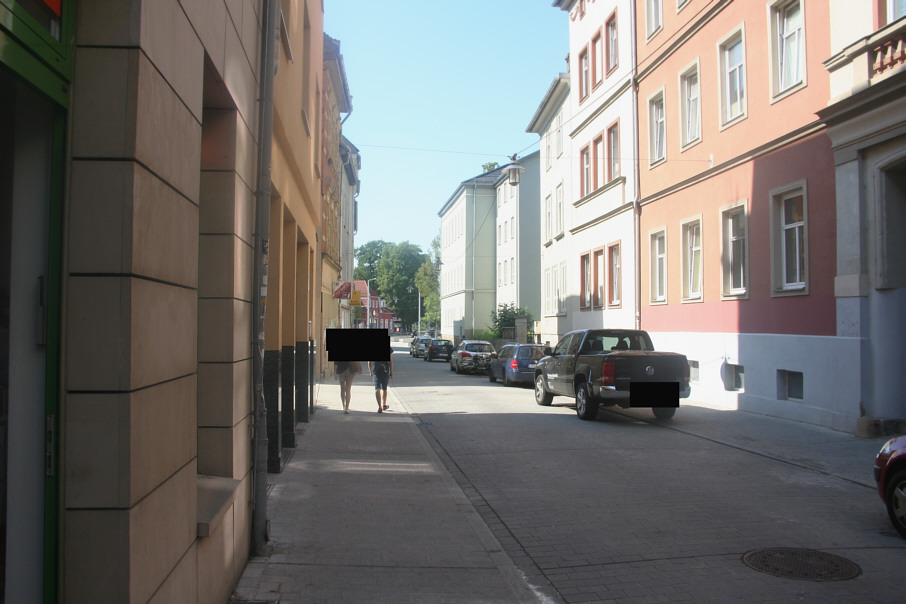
[654, 394]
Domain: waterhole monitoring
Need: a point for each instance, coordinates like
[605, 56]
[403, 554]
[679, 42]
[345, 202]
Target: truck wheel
[585, 407]
[664, 412]
[542, 396]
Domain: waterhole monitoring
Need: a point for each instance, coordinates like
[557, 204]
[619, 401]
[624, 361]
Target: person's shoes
[386, 407]
[379, 410]
[346, 411]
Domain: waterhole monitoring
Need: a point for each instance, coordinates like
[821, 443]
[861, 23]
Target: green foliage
[487, 334]
[427, 281]
[367, 257]
[505, 316]
[491, 165]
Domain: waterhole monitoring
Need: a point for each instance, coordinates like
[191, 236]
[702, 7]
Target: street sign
[355, 299]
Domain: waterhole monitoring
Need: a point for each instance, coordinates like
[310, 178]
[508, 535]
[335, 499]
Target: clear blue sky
[439, 87]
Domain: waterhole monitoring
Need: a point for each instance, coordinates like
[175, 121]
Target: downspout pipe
[259, 289]
[636, 207]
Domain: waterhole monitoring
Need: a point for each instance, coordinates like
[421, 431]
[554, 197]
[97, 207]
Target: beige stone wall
[157, 307]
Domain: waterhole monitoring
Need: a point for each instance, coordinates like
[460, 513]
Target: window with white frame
[559, 223]
[600, 271]
[614, 263]
[659, 266]
[548, 160]
[584, 74]
[654, 18]
[584, 171]
[690, 105]
[548, 225]
[512, 270]
[585, 283]
[559, 134]
[895, 10]
[733, 78]
[499, 275]
[692, 260]
[788, 46]
[561, 289]
[657, 129]
[504, 272]
[613, 148]
[790, 239]
[598, 158]
[734, 256]
[611, 32]
[597, 59]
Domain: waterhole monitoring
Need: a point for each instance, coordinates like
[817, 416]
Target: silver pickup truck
[612, 367]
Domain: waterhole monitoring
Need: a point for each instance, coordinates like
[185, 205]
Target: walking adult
[346, 372]
[381, 372]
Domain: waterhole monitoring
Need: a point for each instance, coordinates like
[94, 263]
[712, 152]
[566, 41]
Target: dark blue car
[515, 363]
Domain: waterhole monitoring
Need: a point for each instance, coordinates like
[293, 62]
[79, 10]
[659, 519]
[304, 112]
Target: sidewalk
[364, 511]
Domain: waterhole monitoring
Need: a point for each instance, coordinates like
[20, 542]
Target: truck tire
[586, 407]
[542, 396]
[663, 412]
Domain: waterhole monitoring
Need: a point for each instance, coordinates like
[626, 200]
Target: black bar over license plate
[654, 394]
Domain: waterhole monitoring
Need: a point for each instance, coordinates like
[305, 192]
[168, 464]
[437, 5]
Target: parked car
[515, 363]
[472, 356]
[419, 348]
[413, 344]
[437, 349]
[612, 367]
[890, 474]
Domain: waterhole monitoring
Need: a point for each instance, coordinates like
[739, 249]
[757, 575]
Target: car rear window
[479, 347]
[531, 352]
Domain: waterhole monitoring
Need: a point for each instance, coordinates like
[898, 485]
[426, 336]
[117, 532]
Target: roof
[487, 179]
[556, 94]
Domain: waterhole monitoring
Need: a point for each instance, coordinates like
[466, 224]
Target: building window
[613, 147]
[733, 78]
[561, 289]
[788, 47]
[615, 274]
[895, 10]
[659, 266]
[692, 260]
[585, 282]
[559, 134]
[790, 385]
[499, 235]
[584, 171]
[547, 150]
[657, 129]
[583, 74]
[559, 224]
[612, 56]
[599, 278]
[690, 106]
[735, 251]
[653, 16]
[504, 271]
[512, 270]
[790, 240]
[597, 59]
[598, 159]
[547, 218]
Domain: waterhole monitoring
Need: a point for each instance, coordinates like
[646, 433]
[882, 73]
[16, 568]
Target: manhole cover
[808, 564]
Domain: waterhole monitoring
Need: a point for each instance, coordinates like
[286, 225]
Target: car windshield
[479, 347]
[441, 342]
[530, 352]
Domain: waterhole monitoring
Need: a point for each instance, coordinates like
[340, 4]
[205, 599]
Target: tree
[427, 282]
[367, 257]
[505, 316]
[395, 272]
[491, 165]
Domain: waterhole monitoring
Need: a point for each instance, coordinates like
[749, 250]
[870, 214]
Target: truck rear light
[608, 373]
[514, 364]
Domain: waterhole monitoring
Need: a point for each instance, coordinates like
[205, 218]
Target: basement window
[790, 385]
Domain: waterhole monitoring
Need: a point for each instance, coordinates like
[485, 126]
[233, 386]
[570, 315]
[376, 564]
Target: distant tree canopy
[393, 269]
[491, 165]
[505, 316]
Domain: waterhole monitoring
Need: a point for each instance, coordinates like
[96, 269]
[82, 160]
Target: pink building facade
[737, 225]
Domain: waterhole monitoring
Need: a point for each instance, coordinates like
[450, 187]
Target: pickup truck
[612, 367]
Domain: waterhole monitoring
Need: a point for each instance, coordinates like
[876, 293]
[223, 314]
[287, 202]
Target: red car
[890, 473]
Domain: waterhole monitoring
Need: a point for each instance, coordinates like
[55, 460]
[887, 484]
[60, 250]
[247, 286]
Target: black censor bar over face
[358, 345]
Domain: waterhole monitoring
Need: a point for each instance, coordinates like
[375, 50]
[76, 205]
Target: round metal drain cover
[807, 564]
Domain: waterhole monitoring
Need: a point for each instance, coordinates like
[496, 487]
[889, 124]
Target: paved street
[622, 509]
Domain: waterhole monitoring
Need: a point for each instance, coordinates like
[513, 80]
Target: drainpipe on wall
[259, 288]
[636, 208]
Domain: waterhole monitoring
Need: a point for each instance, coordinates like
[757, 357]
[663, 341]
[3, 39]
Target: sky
[439, 87]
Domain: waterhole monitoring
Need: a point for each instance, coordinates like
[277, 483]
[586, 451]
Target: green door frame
[45, 63]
